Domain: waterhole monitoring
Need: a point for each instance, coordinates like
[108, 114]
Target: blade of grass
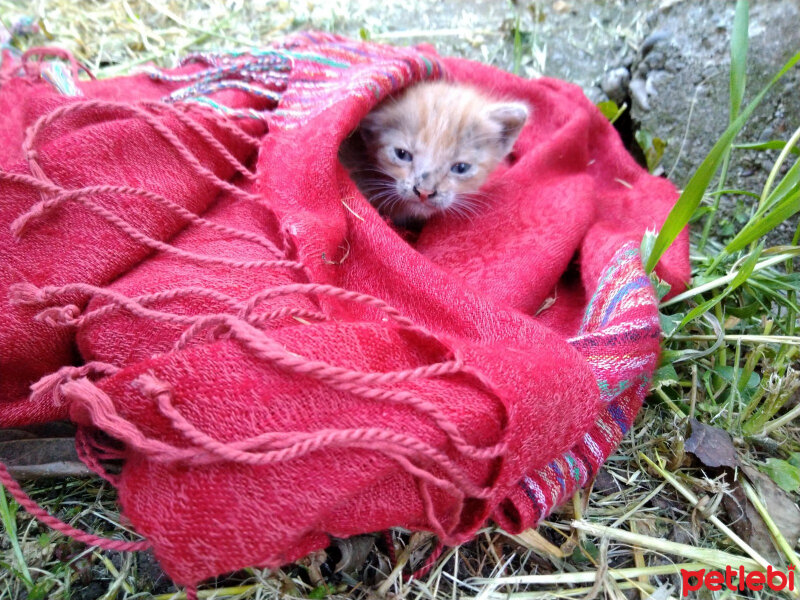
[788, 184]
[782, 199]
[693, 192]
[741, 276]
[738, 76]
[720, 281]
[221, 592]
[775, 295]
[8, 518]
[765, 194]
[770, 145]
[784, 419]
[739, 44]
[696, 354]
[756, 228]
[735, 192]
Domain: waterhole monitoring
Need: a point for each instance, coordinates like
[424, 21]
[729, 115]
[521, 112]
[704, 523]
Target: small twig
[638, 560]
[569, 593]
[350, 209]
[590, 576]
[714, 558]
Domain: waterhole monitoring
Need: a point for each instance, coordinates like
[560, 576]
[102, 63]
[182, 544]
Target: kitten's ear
[511, 117]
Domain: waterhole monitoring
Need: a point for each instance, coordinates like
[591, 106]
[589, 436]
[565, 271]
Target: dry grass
[653, 510]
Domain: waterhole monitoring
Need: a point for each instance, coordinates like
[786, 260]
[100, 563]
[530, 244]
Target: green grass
[730, 360]
[8, 516]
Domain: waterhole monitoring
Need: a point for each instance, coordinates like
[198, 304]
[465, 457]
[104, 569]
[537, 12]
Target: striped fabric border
[619, 339]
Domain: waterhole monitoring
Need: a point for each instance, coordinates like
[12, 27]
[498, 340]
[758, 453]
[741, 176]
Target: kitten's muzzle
[424, 194]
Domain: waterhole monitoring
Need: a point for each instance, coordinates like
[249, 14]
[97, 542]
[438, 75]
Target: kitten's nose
[424, 194]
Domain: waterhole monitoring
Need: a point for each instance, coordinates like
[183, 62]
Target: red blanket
[274, 363]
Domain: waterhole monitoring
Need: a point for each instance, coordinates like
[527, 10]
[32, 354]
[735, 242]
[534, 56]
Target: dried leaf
[711, 445]
[353, 552]
[605, 484]
[43, 457]
[780, 505]
[748, 524]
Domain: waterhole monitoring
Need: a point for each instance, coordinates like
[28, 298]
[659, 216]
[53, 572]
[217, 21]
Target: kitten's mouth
[421, 208]
[425, 208]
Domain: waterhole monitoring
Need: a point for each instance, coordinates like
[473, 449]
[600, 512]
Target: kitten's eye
[460, 168]
[404, 155]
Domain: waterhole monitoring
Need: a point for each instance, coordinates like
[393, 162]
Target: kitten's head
[437, 143]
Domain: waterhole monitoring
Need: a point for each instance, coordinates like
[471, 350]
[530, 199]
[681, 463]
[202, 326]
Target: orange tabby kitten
[431, 148]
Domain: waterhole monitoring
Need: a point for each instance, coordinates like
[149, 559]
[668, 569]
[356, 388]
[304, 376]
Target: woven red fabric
[287, 367]
[48, 240]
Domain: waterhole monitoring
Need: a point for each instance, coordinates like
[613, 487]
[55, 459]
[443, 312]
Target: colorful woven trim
[329, 69]
[261, 74]
[61, 78]
[618, 320]
[302, 76]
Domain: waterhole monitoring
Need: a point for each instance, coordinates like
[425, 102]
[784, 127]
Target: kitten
[430, 149]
